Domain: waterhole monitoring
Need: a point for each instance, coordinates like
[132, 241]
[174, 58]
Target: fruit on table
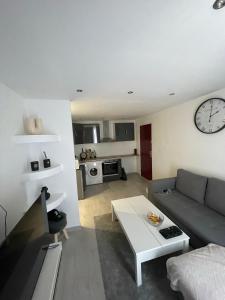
[153, 218]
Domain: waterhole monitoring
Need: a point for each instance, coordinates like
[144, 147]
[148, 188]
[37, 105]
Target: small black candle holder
[47, 194]
[34, 165]
[46, 161]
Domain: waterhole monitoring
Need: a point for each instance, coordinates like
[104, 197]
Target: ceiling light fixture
[130, 92]
[219, 4]
[79, 91]
[171, 94]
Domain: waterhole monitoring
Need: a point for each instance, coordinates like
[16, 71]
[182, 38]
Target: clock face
[210, 116]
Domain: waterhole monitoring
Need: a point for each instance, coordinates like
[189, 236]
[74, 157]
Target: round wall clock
[210, 116]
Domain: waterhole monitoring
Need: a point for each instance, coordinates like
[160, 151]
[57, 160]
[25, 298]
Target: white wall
[15, 196]
[56, 118]
[176, 142]
[12, 192]
[115, 148]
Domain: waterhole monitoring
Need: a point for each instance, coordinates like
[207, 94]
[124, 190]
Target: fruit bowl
[155, 219]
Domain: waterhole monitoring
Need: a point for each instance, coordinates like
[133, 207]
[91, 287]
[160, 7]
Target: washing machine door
[93, 172]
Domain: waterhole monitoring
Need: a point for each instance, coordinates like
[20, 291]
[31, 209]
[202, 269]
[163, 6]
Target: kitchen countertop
[108, 157]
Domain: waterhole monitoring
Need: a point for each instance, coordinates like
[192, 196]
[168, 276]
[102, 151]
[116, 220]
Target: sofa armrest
[159, 185]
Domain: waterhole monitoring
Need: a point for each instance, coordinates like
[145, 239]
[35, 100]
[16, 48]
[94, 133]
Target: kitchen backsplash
[107, 149]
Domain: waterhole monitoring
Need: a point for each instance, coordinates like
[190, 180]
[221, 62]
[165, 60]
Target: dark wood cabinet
[124, 131]
[86, 133]
[91, 133]
[77, 133]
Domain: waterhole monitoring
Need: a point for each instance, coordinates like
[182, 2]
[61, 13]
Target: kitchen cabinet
[124, 131]
[77, 133]
[86, 133]
[91, 133]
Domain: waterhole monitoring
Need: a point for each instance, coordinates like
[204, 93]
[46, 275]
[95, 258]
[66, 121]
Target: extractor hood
[106, 133]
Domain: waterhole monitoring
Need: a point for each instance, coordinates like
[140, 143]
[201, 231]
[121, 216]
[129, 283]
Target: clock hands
[215, 113]
[210, 116]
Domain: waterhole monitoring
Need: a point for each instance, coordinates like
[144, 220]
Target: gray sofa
[195, 203]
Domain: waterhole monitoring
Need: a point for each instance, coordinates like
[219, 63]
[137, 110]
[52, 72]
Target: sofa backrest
[191, 185]
[215, 195]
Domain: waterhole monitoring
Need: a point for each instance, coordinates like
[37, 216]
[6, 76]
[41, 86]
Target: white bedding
[199, 274]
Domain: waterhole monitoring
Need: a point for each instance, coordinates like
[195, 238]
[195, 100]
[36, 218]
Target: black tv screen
[21, 254]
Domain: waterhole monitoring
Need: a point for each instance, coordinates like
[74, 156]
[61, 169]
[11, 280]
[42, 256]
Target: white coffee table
[145, 240]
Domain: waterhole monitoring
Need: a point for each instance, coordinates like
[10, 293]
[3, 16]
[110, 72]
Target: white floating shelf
[43, 173]
[55, 200]
[36, 138]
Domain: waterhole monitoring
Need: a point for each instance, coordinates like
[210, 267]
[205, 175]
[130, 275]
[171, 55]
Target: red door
[146, 151]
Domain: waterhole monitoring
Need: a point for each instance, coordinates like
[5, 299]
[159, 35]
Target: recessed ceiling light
[79, 91]
[219, 4]
[171, 94]
[130, 92]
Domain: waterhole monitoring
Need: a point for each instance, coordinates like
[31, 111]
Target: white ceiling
[50, 48]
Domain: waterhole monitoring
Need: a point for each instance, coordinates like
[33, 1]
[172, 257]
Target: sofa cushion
[215, 195]
[191, 185]
[175, 201]
[206, 223]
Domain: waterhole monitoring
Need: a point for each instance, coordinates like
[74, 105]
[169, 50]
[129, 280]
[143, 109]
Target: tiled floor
[98, 197]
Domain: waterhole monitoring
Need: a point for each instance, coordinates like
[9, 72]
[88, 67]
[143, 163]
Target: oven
[111, 169]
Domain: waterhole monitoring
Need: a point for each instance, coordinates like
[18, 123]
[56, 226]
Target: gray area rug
[117, 264]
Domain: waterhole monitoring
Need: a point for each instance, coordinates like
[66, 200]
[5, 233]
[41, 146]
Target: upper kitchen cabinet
[86, 133]
[124, 131]
[91, 134]
[77, 133]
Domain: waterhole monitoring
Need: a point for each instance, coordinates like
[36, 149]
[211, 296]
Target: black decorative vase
[47, 163]
[45, 189]
[34, 165]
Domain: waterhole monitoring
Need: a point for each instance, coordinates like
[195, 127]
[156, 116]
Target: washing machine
[93, 172]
